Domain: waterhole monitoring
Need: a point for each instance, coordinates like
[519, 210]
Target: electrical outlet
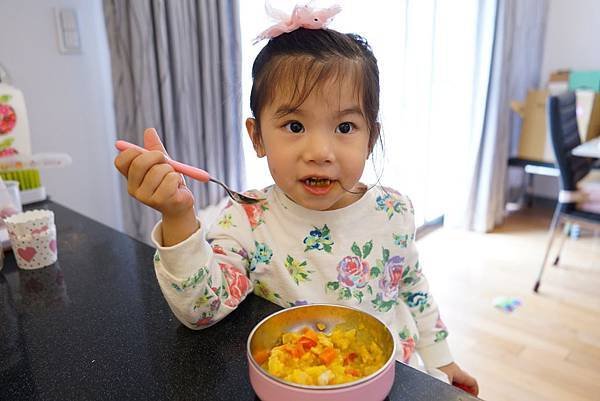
[67, 28]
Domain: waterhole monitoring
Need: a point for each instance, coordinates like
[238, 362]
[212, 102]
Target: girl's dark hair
[306, 57]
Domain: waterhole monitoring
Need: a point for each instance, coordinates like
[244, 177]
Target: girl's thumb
[152, 140]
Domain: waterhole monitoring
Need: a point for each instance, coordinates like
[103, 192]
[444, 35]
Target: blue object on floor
[507, 304]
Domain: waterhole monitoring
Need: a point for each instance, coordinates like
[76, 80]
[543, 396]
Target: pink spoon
[192, 172]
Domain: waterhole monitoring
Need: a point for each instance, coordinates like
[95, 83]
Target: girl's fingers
[124, 159]
[151, 181]
[152, 141]
[172, 189]
[139, 167]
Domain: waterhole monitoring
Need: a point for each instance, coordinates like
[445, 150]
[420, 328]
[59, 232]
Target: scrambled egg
[310, 358]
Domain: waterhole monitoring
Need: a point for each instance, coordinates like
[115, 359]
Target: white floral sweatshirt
[362, 255]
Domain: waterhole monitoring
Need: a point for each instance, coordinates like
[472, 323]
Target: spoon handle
[192, 172]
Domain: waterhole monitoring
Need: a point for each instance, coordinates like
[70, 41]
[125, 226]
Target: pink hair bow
[303, 16]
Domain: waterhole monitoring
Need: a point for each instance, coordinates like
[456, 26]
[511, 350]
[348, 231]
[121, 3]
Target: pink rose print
[392, 275]
[439, 324]
[204, 321]
[237, 282]
[255, 211]
[353, 272]
[218, 249]
[408, 347]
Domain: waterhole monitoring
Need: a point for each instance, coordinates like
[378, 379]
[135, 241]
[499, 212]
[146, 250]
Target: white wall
[69, 100]
[571, 42]
[572, 36]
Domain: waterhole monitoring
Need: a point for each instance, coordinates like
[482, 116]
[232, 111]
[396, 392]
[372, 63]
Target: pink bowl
[267, 387]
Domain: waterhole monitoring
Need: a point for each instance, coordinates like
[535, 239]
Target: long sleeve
[414, 290]
[205, 277]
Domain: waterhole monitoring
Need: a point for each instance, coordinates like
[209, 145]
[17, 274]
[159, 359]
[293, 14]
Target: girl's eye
[295, 127]
[345, 128]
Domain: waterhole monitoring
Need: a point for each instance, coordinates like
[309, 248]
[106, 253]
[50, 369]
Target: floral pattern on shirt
[392, 274]
[265, 292]
[244, 255]
[192, 281]
[226, 221]
[408, 344]
[403, 240]
[318, 239]
[390, 204]
[353, 273]
[255, 212]
[218, 249]
[389, 270]
[263, 254]
[237, 284]
[203, 300]
[207, 317]
[417, 299]
[443, 331]
[297, 270]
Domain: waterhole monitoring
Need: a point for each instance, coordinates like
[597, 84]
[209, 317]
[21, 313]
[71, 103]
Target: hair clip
[303, 16]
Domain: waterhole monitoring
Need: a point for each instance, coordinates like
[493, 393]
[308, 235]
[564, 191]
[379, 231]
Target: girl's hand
[460, 378]
[154, 182]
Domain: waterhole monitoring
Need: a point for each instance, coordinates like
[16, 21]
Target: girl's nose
[319, 148]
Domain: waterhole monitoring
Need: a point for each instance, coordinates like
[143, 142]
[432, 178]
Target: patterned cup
[33, 238]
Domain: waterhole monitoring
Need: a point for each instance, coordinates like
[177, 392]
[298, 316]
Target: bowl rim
[391, 358]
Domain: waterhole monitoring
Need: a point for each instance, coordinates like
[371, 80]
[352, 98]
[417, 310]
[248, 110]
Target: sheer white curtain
[430, 58]
[517, 54]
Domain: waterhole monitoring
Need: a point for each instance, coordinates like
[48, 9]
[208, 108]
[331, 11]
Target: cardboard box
[534, 143]
[559, 76]
[558, 82]
[588, 114]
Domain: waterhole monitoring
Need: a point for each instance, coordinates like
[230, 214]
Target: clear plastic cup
[10, 199]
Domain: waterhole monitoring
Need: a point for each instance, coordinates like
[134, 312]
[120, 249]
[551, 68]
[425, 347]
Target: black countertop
[94, 326]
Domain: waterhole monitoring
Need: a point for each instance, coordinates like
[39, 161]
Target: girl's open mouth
[318, 186]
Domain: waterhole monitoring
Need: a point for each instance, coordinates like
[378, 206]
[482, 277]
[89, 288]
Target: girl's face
[316, 149]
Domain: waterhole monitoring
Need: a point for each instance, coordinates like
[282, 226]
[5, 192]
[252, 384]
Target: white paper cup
[33, 238]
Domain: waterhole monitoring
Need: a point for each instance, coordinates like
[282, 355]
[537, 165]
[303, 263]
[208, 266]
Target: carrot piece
[261, 356]
[352, 372]
[327, 356]
[349, 358]
[307, 343]
[311, 334]
[296, 349]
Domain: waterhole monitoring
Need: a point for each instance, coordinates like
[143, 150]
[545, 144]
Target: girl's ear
[255, 137]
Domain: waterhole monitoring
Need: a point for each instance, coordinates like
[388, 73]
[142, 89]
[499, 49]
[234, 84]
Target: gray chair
[562, 125]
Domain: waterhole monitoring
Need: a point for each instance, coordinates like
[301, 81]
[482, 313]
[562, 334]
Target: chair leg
[560, 247]
[552, 234]
[523, 192]
[529, 190]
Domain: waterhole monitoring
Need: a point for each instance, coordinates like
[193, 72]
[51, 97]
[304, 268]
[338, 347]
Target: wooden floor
[549, 348]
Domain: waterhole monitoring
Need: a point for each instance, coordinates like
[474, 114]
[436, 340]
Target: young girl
[318, 235]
